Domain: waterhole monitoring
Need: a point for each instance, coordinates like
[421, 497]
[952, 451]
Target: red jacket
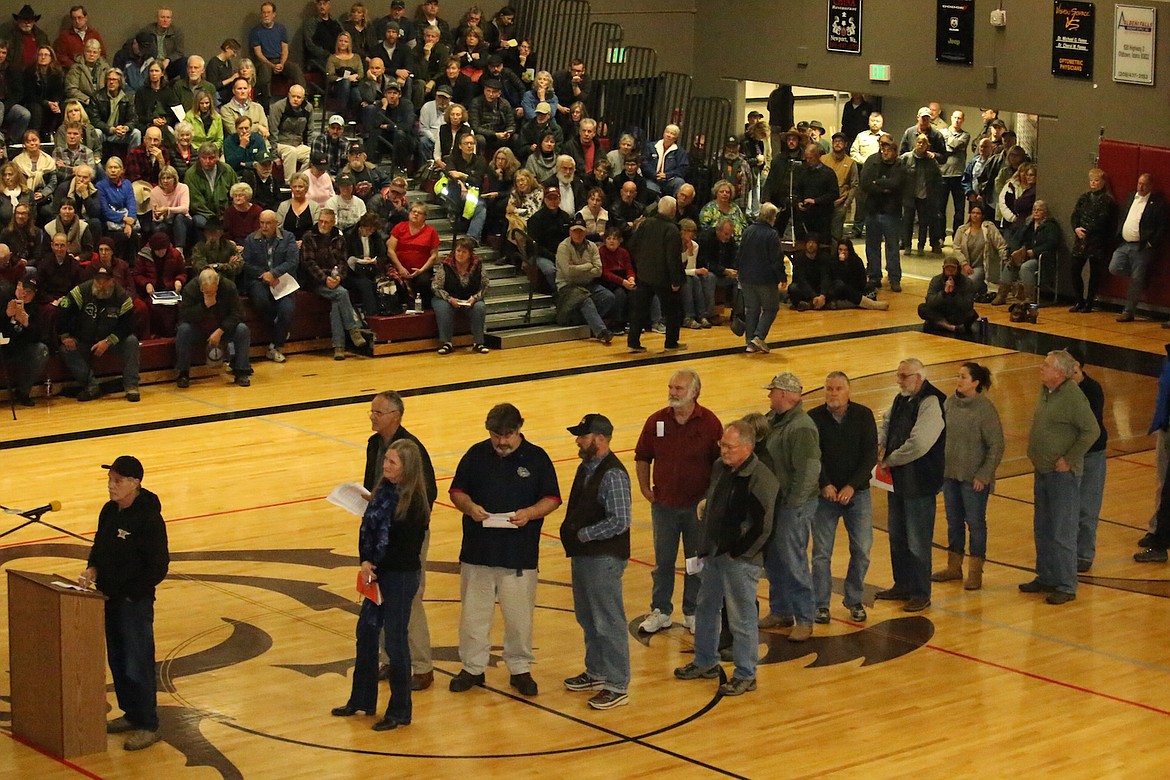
[162, 273]
[616, 266]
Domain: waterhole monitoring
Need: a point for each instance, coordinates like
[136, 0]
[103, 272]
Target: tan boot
[953, 571]
[1001, 295]
[870, 303]
[974, 574]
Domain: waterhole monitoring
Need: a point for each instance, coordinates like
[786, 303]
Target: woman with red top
[158, 267]
[413, 248]
[617, 274]
[242, 217]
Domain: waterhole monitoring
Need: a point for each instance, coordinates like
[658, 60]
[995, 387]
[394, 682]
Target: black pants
[946, 312]
[640, 315]
[1098, 260]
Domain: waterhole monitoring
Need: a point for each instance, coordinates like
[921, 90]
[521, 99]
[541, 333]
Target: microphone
[52, 506]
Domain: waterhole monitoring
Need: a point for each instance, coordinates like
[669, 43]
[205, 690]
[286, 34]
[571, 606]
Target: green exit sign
[616, 56]
[879, 72]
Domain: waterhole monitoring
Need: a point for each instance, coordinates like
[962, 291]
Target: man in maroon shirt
[682, 441]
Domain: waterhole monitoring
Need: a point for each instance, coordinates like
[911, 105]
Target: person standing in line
[912, 445]
[503, 479]
[737, 521]
[848, 438]
[596, 536]
[681, 441]
[1063, 429]
[128, 560]
[973, 451]
[386, 410]
[389, 545]
[1093, 477]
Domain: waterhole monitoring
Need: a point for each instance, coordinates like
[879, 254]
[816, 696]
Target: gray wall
[901, 33]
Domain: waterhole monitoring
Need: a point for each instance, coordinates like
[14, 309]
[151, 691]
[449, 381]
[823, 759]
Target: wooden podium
[56, 653]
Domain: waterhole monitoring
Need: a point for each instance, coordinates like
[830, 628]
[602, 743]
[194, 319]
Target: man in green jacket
[210, 183]
[794, 445]
[1063, 429]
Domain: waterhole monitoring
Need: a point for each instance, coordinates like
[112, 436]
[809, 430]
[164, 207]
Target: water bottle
[48, 387]
[335, 273]
[418, 303]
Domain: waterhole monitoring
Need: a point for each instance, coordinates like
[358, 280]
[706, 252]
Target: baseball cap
[345, 179]
[443, 90]
[356, 146]
[320, 161]
[592, 423]
[924, 111]
[337, 119]
[103, 270]
[392, 86]
[578, 223]
[552, 191]
[785, 381]
[950, 260]
[543, 108]
[126, 466]
[265, 156]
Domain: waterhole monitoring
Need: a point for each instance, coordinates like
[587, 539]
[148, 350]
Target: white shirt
[1131, 228]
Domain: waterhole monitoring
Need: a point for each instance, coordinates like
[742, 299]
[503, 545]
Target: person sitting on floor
[950, 301]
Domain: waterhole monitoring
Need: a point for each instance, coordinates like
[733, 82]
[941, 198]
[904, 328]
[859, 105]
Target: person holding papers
[270, 253]
[504, 486]
[389, 545]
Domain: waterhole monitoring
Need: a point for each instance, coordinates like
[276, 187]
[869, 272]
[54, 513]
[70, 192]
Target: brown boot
[974, 574]
[1001, 295]
[953, 571]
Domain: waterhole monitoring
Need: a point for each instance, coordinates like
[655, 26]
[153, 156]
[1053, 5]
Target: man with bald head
[270, 253]
[288, 124]
[1143, 223]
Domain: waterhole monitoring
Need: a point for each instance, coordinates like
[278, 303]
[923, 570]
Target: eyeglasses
[379, 413]
[904, 376]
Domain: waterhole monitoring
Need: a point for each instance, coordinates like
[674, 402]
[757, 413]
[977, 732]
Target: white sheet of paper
[285, 285]
[499, 521]
[694, 565]
[179, 112]
[69, 585]
[350, 496]
[165, 298]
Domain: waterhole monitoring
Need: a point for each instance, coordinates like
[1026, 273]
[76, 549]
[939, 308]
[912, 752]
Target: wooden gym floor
[254, 626]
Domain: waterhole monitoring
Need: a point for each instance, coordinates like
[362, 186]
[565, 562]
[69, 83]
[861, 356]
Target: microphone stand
[34, 516]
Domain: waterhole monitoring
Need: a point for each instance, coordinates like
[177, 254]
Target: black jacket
[1153, 223]
[130, 548]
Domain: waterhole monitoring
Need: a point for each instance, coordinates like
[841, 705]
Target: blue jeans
[597, 307]
[188, 334]
[16, 118]
[858, 515]
[130, 647]
[342, 317]
[699, 297]
[78, 362]
[1131, 260]
[760, 304]
[670, 523]
[597, 602]
[1026, 273]
[1054, 528]
[1092, 492]
[966, 509]
[786, 560]
[392, 616]
[455, 207]
[279, 313]
[883, 229]
[445, 317]
[730, 581]
[548, 269]
[911, 529]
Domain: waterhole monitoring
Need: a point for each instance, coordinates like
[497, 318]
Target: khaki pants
[479, 589]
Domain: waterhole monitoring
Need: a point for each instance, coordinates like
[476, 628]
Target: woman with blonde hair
[542, 92]
[91, 137]
[343, 70]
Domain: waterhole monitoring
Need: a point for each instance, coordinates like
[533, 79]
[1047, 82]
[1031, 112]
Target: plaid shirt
[614, 494]
[141, 167]
[67, 159]
[336, 151]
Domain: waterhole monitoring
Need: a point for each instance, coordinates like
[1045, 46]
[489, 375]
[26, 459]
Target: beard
[587, 453]
[563, 179]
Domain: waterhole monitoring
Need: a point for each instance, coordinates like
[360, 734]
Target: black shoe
[1035, 586]
[133, 396]
[23, 398]
[348, 710]
[916, 604]
[1060, 597]
[1146, 541]
[1083, 566]
[675, 347]
[637, 348]
[243, 380]
[464, 681]
[1151, 555]
[1076, 308]
[895, 287]
[90, 393]
[605, 337]
[389, 723]
[822, 615]
[184, 379]
[524, 683]
[892, 594]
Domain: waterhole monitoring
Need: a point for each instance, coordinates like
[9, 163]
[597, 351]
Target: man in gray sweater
[1063, 429]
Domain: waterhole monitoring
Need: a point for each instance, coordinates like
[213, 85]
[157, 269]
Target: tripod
[8, 376]
[34, 516]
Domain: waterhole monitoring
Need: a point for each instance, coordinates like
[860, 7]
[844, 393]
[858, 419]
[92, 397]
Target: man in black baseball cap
[596, 537]
[129, 558]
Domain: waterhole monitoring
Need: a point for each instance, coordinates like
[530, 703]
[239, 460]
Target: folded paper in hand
[351, 497]
[369, 589]
[500, 521]
[285, 285]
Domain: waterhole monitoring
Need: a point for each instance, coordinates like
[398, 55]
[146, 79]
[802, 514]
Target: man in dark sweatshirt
[128, 559]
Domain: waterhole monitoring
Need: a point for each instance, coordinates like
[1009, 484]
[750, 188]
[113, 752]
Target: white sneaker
[655, 621]
[274, 354]
[761, 345]
[689, 623]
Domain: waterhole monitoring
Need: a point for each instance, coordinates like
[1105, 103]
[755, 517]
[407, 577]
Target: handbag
[736, 320]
